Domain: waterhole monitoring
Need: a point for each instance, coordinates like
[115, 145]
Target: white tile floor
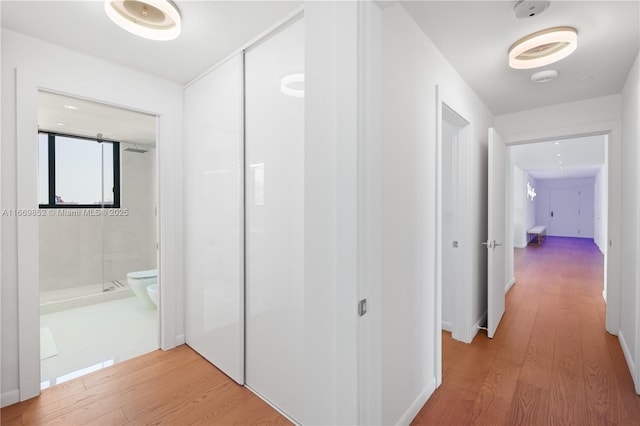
[95, 336]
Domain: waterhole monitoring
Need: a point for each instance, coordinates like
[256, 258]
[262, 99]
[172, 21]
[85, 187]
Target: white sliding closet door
[214, 228]
[275, 219]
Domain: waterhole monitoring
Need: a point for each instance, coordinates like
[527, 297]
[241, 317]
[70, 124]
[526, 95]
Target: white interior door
[564, 218]
[274, 145]
[214, 229]
[496, 258]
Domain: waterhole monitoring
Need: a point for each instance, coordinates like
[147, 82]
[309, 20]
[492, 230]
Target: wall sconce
[531, 192]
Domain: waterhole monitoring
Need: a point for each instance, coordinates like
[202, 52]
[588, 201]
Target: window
[78, 172]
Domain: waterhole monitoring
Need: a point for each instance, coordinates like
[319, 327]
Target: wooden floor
[177, 387]
[551, 361]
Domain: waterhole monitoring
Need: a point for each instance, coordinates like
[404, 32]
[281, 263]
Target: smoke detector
[529, 8]
[544, 76]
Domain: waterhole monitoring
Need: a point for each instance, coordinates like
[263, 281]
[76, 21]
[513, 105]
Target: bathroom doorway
[97, 218]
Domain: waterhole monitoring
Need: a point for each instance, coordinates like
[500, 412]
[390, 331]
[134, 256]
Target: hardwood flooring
[176, 387]
[551, 360]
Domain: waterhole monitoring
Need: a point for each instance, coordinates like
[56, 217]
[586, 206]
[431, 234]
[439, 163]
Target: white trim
[628, 358]
[478, 325]
[613, 253]
[169, 182]
[369, 209]
[447, 326]
[180, 339]
[290, 18]
[28, 236]
[9, 397]
[272, 405]
[417, 405]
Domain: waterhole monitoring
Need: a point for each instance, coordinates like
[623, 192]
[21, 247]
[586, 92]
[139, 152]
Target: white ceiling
[72, 116]
[475, 37]
[578, 157]
[212, 30]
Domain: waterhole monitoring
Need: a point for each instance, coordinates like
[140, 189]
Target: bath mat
[47, 344]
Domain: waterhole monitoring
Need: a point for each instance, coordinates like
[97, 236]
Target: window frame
[51, 204]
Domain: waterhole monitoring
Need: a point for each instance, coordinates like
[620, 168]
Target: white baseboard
[10, 397]
[180, 340]
[447, 326]
[510, 284]
[630, 363]
[285, 415]
[417, 405]
[478, 325]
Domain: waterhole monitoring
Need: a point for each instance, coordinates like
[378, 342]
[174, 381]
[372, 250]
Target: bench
[536, 234]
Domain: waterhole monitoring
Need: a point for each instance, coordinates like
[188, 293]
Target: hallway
[551, 361]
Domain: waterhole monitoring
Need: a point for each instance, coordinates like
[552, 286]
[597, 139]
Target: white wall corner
[510, 284]
[9, 398]
[417, 405]
[180, 339]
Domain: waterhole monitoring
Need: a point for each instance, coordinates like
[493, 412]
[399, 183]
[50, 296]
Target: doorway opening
[452, 126]
[561, 185]
[98, 233]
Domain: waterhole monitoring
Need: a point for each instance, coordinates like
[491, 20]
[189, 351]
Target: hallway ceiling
[581, 157]
[475, 37]
[224, 26]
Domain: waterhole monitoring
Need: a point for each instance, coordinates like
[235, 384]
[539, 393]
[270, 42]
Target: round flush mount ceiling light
[151, 19]
[543, 48]
[544, 76]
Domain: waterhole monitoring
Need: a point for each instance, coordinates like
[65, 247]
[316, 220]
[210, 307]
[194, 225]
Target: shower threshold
[75, 297]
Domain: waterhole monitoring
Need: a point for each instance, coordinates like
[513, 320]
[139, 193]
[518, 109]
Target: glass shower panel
[274, 179]
[129, 232]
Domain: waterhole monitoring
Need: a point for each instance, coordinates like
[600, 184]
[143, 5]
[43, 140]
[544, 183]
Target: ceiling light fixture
[543, 47]
[71, 107]
[151, 19]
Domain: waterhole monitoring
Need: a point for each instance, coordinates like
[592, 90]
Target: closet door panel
[275, 219]
[214, 218]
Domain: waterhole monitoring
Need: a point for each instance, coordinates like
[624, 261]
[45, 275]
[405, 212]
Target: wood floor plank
[176, 387]
[551, 362]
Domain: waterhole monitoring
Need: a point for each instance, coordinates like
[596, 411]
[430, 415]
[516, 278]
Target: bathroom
[97, 236]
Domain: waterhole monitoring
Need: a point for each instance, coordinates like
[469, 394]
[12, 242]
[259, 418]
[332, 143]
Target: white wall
[71, 247]
[600, 208]
[412, 67]
[630, 315]
[581, 215]
[524, 209]
[75, 74]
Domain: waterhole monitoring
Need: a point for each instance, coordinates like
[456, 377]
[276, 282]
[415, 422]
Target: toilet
[139, 281]
[152, 291]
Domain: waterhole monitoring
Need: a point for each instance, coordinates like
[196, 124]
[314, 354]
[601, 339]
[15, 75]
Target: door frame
[612, 130]
[168, 182]
[445, 111]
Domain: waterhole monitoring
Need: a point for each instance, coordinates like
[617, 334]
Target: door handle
[491, 244]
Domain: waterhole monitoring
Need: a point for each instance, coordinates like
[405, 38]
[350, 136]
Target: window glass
[85, 172]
